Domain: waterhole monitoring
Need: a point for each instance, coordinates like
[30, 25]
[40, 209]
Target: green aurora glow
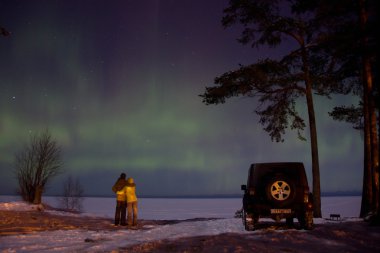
[120, 93]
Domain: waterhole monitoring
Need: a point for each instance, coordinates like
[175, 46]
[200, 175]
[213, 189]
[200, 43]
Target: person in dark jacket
[121, 200]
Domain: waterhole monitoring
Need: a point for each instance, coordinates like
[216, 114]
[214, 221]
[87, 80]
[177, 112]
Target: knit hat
[123, 175]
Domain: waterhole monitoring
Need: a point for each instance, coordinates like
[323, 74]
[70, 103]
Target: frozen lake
[188, 208]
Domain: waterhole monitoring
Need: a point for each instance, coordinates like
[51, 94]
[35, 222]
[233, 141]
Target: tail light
[306, 195]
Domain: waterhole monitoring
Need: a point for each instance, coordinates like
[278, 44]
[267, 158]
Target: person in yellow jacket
[121, 200]
[130, 190]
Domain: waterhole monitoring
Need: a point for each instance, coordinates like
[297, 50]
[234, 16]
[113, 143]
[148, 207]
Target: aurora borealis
[117, 85]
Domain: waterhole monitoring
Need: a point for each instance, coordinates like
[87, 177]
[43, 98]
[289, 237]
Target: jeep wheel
[280, 190]
[309, 220]
[248, 222]
[306, 221]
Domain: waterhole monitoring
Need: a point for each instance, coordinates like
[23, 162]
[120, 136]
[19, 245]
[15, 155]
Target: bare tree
[36, 165]
[72, 196]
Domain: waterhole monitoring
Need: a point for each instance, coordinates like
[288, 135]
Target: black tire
[306, 220]
[248, 222]
[280, 190]
[309, 223]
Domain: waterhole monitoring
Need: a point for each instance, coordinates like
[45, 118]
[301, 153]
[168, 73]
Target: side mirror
[243, 187]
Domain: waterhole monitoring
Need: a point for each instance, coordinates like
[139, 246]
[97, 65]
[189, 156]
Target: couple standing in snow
[125, 190]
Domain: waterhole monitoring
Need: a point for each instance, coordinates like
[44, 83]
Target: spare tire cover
[280, 190]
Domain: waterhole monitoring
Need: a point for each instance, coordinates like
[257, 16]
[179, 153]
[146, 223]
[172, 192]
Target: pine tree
[307, 68]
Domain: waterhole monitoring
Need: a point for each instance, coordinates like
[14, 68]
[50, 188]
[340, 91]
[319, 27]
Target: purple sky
[117, 84]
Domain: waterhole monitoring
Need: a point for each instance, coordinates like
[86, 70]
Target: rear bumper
[266, 211]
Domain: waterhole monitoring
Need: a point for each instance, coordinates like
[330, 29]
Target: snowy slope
[98, 241]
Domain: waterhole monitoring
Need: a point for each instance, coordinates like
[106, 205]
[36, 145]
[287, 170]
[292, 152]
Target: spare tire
[280, 190]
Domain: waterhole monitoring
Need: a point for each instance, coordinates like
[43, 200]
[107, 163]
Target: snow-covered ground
[171, 209]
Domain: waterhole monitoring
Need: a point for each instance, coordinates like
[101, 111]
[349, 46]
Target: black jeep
[277, 191]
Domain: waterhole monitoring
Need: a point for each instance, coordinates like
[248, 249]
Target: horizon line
[236, 195]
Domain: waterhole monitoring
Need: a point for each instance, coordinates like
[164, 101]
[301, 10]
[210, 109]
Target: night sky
[117, 85]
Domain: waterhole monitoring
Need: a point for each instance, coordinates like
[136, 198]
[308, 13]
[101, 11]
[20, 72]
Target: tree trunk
[38, 195]
[314, 154]
[373, 136]
[313, 136]
[370, 196]
[367, 200]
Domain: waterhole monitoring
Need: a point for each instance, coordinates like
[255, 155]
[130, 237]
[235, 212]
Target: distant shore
[211, 196]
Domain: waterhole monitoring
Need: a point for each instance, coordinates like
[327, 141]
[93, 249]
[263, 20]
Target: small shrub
[72, 196]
